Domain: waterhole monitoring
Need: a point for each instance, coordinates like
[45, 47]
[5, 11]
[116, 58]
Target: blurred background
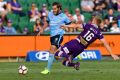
[21, 20]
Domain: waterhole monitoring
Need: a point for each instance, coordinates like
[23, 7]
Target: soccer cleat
[79, 57]
[77, 66]
[46, 71]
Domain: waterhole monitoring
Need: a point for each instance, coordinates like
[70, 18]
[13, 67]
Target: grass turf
[89, 70]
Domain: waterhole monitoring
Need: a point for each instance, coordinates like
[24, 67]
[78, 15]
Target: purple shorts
[72, 47]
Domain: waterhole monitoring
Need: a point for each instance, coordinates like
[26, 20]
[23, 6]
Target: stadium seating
[26, 5]
[87, 16]
[14, 18]
[23, 22]
[30, 26]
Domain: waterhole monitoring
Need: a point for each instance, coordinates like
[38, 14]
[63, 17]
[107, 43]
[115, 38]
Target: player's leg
[69, 63]
[55, 43]
[60, 54]
[75, 54]
[53, 48]
[67, 51]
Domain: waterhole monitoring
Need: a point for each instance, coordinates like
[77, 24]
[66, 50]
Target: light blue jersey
[56, 21]
[10, 30]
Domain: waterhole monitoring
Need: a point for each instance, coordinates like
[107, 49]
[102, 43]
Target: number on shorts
[66, 50]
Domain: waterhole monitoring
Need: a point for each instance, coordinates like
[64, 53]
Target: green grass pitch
[89, 70]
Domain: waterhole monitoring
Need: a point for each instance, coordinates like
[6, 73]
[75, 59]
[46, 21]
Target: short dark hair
[57, 4]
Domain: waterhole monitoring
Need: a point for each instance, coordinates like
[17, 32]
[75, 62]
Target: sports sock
[68, 63]
[50, 61]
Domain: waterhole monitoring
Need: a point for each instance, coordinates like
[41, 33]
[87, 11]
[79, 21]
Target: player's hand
[115, 57]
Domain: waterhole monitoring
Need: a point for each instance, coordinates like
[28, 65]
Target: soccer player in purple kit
[74, 47]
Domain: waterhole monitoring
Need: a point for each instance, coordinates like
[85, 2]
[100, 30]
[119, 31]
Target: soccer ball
[22, 69]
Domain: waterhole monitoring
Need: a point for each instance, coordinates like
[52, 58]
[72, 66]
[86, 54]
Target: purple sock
[71, 64]
[67, 63]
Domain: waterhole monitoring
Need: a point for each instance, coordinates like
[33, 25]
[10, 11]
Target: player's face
[55, 9]
[33, 6]
[77, 12]
[9, 24]
[110, 11]
[38, 21]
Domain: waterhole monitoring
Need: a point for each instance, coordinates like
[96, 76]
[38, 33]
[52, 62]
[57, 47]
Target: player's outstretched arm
[115, 57]
[65, 27]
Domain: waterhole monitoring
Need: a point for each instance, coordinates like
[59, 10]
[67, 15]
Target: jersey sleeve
[86, 26]
[67, 20]
[100, 35]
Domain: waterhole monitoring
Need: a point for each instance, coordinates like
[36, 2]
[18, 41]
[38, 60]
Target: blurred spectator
[34, 13]
[114, 1]
[66, 12]
[9, 29]
[110, 3]
[117, 5]
[96, 13]
[38, 27]
[87, 5]
[44, 21]
[16, 7]
[99, 9]
[4, 18]
[99, 5]
[78, 15]
[79, 19]
[25, 31]
[79, 24]
[2, 28]
[115, 28]
[71, 29]
[107, 24]
[109, 18]
[103, 27]
[3, 5]
[44, 11]
[71, 18]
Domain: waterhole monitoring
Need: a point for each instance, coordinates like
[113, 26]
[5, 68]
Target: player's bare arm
[115, 57]
[65, 27]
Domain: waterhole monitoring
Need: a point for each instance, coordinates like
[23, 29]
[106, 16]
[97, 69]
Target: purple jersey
[89, 34]
[85, 38]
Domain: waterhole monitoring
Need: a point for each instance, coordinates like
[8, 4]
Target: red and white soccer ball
[22, 69]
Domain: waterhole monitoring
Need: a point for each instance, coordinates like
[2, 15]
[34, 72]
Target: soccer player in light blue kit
[56, 19]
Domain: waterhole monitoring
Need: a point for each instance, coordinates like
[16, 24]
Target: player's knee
[53, 49]
[56, 56]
